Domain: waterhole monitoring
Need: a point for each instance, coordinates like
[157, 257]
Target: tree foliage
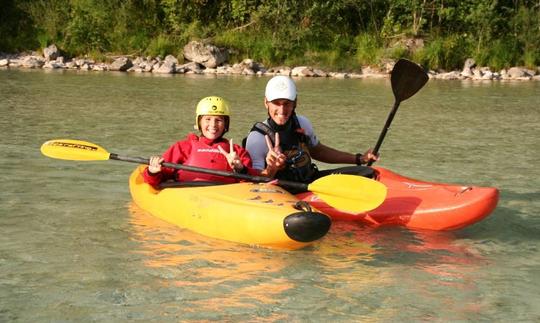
[498, 33]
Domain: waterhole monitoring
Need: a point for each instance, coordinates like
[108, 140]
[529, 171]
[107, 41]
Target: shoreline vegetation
[451, 39]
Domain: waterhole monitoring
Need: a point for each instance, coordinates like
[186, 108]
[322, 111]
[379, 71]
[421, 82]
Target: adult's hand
[275, 159]
[368, 156]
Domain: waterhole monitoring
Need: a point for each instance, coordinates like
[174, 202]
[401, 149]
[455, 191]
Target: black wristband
[358, 159]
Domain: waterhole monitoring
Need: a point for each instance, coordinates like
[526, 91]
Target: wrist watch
[359, 159]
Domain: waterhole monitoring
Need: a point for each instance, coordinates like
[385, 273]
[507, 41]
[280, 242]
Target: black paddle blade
[407, 78]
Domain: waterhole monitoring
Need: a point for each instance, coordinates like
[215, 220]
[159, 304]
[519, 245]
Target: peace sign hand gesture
[275, 159]
[232, 158]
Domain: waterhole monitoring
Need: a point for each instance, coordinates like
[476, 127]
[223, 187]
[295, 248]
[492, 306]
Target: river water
[74, 248]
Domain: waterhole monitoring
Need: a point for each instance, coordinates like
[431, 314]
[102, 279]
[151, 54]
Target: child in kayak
[209, 150]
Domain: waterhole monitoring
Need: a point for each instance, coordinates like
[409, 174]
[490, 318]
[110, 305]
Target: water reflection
[387, 246]
[351, 264]
[232, 275]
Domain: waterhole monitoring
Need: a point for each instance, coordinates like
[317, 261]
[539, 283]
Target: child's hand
[154, 166]
[232, 158]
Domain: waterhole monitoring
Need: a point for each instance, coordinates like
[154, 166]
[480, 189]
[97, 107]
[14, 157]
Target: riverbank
[207, 59]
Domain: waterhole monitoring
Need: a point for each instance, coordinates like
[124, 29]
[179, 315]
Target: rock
[339, 75]
[517, 72]
[302, 71]
[454, 75]
[467, 67]
[208, 55]
[477, 74]
[252, 65]
[50, 53]
[79, 62]
[71, 65]
[53, 65]
[15, 62]
[373, 72]
[469, 63]
[4, 62]
[237, 68]
[168, 67]
[387, 65]
[147, 66]
[248, 71]
[530, 72]
[355, 75]
[280, 70]
[224, 69]
[138, 61]
[32, 62]
[246, 67]
[86, 67]
[209, 71]
[171, 59]
[97, 68]
[487, 75]
[192, 68]
[319, 73]
[120, 64]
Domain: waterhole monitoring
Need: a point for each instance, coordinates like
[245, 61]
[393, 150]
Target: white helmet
[280, 87]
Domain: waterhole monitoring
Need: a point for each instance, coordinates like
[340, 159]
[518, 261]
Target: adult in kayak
[208, 150]
[285, 143]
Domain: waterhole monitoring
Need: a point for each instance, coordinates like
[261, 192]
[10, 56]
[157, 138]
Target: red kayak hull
[419, 205]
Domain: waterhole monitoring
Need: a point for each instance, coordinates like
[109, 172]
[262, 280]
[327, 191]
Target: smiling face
[212, 127]
[280, 110]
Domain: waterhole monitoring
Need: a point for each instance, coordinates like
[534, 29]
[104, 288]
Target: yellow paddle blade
[70, 149]
[349, 193]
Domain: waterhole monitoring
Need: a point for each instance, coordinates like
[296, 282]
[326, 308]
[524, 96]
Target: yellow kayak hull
[255, 214]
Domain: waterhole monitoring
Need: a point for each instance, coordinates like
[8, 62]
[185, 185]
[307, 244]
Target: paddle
[407, 78]
[348, 193]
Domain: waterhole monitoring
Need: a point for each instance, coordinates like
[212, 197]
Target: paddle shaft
[385, 129]
[250, 178]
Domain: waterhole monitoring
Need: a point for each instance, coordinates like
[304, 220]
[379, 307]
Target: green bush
[443, 53]
[162, 45]
[368, 49]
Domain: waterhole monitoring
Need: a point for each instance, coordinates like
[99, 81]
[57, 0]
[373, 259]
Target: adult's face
[280, 110]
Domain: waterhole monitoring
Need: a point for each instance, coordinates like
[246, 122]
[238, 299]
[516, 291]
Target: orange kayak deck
[419, 205]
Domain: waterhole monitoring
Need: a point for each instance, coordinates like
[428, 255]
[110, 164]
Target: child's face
[212, 127]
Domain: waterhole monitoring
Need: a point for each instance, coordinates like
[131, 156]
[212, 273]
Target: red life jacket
[206, 156]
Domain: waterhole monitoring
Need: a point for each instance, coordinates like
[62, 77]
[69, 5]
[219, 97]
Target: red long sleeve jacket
[200, 152]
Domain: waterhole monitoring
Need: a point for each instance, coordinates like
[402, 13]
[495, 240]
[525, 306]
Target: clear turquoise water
[74, 248]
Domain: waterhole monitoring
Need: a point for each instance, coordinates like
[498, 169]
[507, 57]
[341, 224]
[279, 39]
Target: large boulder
[208, 55]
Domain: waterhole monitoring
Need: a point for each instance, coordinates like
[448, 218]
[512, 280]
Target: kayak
[255, 214]
[418, 204]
